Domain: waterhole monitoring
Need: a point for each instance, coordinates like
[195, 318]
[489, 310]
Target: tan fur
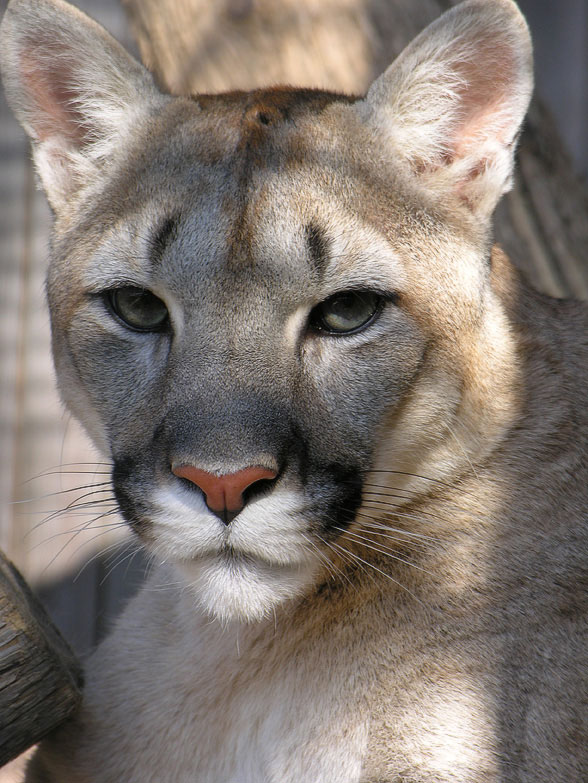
[407, 600]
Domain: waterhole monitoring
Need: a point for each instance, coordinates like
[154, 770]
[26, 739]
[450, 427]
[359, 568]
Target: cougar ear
[73, 88]
[452, 104]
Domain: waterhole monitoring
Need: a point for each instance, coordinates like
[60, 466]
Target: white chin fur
[236, 588]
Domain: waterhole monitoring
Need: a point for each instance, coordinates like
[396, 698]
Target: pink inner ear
[485, 112]
[49, 81]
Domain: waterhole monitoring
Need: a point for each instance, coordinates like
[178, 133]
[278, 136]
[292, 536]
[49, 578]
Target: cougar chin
[231, 587]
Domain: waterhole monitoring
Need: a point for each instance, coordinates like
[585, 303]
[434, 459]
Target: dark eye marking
[165, 232]
[318, 246]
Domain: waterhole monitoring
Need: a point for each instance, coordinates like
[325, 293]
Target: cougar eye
[346, 312]
[138, 308]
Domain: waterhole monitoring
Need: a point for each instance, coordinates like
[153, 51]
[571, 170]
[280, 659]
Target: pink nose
[224, 494]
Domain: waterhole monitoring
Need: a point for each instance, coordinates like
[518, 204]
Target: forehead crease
[264, 114]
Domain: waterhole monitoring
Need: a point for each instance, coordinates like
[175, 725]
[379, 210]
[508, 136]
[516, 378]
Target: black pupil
[138, 308]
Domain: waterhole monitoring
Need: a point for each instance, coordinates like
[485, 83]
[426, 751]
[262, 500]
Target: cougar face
[277, 312]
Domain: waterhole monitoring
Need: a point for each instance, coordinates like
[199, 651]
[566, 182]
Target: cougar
[350, 436]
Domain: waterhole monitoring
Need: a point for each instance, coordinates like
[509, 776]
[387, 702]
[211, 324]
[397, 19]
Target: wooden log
[40, 678]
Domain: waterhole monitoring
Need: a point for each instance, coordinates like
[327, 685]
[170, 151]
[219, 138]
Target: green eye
[138, 309]
[346, 312]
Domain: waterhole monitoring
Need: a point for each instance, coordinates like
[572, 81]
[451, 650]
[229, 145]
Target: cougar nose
[224, 494]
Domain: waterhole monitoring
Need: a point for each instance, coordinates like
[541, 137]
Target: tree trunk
[40, 679]
[198, 46]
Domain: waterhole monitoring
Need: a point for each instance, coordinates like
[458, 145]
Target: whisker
[96, 556]
[153, 559]
[370, 493]
[61, 492]
[394, 511]
[102, 530]
[87, 523]
[452, 507]
[410, 533]
[462, 449]
[439, 482]
[75, 501]
[72, 509]
[76, 530]
[393, 492]
[76, 533]
[385, 531]
[405, 537]
[359, 559]
[58, 470]
[412, 475]
[383, 550]
[127, 555]
[71, 512]
[352, 559]
[329, 565]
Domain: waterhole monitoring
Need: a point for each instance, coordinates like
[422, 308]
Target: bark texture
[40, 680]
[197, 46]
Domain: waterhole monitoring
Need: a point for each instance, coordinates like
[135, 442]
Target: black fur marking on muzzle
[347, 483]
[135, 514]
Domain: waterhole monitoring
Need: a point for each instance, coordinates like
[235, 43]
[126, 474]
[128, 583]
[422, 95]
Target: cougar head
[258, 298]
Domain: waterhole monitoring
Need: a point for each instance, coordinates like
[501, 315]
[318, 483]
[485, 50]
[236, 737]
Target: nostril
[257, 489]
[226, 494]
